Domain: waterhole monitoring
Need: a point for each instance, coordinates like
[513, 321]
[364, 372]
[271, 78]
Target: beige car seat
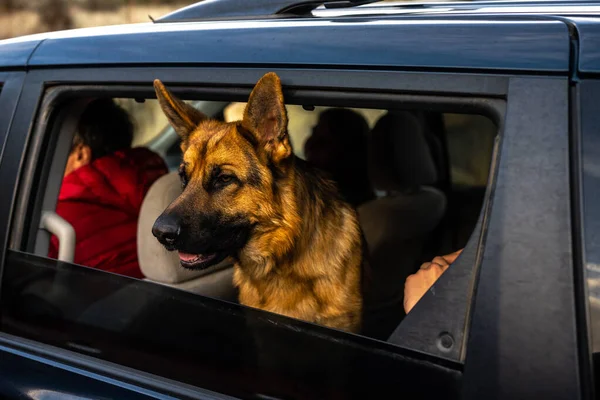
[162, 266]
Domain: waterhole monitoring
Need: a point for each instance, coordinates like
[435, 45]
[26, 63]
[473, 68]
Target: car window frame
[11, 85]
[490, 104]
[586, 97]
[414, 86]
[525, 301]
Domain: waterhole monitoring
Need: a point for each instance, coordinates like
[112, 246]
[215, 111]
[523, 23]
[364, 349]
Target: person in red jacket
[104, 184]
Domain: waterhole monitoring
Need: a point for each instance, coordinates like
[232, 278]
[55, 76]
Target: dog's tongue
[189, 258]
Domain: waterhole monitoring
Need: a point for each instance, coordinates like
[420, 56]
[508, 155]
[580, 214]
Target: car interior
[427, 170]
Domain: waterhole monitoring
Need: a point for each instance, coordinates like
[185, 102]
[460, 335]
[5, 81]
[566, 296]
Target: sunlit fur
[303, 253]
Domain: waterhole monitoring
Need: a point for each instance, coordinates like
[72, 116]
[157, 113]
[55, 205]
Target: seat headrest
[155, 261]
[400, 157]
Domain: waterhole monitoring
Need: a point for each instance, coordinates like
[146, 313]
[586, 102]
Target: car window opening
[416, 178]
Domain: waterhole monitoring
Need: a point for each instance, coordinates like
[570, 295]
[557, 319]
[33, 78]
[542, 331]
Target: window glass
[149, 120]
[302, 121]
[470, 143]
[198, 340]
[590, 146]
[589, 95]
[121, 293]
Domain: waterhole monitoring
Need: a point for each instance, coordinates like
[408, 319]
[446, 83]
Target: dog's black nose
[166, 229]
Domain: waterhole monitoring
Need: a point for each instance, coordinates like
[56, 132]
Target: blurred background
[24, 17]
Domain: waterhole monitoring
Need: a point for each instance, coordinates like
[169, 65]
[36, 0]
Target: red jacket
[102, 201]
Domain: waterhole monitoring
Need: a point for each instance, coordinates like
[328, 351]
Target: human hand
[418, 284]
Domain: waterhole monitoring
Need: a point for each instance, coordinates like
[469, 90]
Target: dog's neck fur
[288, 241]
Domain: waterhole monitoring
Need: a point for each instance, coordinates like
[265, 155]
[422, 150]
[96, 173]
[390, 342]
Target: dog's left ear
[182, 117]
[266, 117]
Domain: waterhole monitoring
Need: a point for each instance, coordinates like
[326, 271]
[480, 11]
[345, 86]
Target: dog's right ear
[265, 116]
[182, 117]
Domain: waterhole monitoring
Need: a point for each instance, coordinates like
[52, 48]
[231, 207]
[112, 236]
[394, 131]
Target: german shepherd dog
[296, 244]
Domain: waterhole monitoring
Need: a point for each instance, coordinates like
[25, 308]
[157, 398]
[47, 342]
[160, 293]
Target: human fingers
[450, 258]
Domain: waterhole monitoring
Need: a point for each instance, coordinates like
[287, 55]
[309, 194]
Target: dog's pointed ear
[266, 117]
[182, 117]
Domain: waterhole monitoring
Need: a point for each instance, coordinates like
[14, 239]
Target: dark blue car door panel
[23, 377]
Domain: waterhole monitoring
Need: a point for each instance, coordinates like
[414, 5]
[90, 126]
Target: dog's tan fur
[304, 254]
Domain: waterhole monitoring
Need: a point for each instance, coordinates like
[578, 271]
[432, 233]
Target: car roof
[237, 9]
[515, 36]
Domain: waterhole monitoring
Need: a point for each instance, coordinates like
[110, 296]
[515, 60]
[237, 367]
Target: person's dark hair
[339, 146]
[347, 125]
[105, 127]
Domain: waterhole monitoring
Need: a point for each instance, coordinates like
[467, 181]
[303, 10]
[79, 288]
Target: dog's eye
[224, 179]
[183, 176]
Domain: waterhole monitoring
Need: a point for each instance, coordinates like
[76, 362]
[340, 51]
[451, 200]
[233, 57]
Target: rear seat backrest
[400, 158]
[162, 266]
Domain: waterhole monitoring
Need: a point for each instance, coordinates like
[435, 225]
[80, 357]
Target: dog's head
[228, 171]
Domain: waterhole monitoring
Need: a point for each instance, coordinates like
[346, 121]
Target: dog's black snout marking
[166, 229]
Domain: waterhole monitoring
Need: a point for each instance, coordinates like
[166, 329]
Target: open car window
[402, 169]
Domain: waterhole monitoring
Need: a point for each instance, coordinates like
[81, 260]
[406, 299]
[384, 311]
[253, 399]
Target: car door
[482, 331]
